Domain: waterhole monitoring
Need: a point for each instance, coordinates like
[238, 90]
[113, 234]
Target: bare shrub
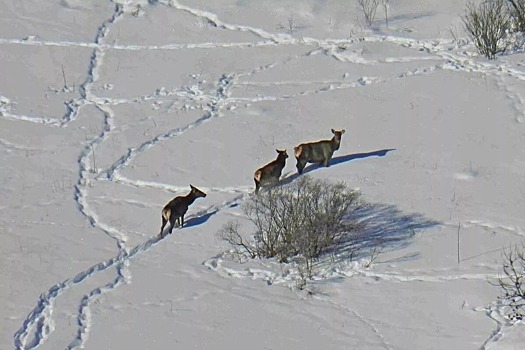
[517, 13]
[374, 254]
[386, 6]
[488, 25]
[369, 8]
[512, 284]
[290, 26]
[230, 234]
[307, 218]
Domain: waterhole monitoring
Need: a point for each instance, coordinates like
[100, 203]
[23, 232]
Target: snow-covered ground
[108, 109]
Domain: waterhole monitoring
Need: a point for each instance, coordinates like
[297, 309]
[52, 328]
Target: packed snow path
[208, 101]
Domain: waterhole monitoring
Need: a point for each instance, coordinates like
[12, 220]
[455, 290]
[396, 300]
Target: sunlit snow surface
[108, 109]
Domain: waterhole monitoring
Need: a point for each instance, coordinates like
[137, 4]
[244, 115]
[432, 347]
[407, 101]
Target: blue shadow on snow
[381, 226]
[336, 161]
[199, 220]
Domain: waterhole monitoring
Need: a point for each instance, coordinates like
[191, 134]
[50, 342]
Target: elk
[174, 211]
[271, 172]
[317, 152]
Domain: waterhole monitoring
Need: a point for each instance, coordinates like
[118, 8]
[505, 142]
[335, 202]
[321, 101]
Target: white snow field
[109, 109]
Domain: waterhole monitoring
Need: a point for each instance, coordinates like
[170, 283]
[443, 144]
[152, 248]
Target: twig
[64, 76]
[459, 229]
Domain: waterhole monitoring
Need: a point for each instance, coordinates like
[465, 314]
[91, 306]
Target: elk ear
[333, 131]
[276, 150]
[191, 186]
[343, 131]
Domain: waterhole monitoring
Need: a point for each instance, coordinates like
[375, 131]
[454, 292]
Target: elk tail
[257, 176]
[166, 214]
[298, 150]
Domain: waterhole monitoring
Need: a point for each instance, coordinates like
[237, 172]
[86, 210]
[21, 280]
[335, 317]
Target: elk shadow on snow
[199, 219]
[349, 157]
[193, 220]
[381, 226]
[336, 161]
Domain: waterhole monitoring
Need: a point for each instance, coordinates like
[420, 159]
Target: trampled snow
[109, 109]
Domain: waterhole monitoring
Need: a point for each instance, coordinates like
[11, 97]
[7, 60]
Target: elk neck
[335, 142]
[190, 198]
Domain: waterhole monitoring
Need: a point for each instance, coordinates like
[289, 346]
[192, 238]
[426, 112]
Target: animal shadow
[350, 157]
[338, 160]
[199, 220]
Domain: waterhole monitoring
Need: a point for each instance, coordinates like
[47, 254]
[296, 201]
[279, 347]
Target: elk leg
[164, 221]
[257, 186]
[300, 166]
[173, 222]
[181, 220]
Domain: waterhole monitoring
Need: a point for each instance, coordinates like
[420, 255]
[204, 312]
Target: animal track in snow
[38, 325]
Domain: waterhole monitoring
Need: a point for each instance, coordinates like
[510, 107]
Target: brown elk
[317, 152]
[174, 211]
[271, 172]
